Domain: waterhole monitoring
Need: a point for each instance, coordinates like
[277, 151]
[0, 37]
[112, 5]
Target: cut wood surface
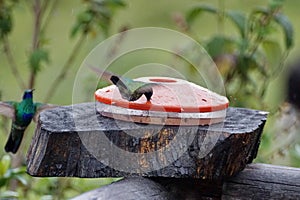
[256, 181]
[76, 141]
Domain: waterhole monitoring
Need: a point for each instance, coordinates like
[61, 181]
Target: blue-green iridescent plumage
[22, 114]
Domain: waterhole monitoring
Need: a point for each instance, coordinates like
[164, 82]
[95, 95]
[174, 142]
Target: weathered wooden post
[158, 161]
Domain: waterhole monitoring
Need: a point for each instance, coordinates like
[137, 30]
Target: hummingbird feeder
[174, 102]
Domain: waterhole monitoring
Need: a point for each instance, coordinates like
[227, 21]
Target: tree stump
[76, 141]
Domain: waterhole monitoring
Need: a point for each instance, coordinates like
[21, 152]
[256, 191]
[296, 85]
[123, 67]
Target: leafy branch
[243, 60]
[38, 55]
[96, 17]
[7, 174]
[12, 63]
[65, 68]
[6, 26]
[249, 61]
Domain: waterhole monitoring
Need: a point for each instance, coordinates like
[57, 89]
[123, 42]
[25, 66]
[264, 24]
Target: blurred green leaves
[295, 155]
[244, 59]
[266, 15]
[194, 13]
[97, 14]
[6, 23]
[239, 19]
[249, 58]
[95, 19]
[4, 165]
[7, 174]
[287, 27]
[36, 59]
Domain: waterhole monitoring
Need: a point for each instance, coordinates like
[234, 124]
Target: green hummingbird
[129, 89]
[21, 114]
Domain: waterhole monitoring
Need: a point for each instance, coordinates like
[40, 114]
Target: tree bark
[262, 181]
[256, 181]
[76, 141]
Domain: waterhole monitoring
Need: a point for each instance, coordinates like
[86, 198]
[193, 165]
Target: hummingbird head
[27, 94]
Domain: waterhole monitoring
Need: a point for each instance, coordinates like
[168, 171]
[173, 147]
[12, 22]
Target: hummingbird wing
[129, 89]
[8, 109]
[120, 82]
[106, 75]
[40, 107]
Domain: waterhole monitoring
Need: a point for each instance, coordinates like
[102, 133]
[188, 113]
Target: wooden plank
[128, 189]
[256, 181]
[76, 141]
[263, 181]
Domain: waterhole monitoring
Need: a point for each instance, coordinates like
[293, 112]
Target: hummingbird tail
[13, 143]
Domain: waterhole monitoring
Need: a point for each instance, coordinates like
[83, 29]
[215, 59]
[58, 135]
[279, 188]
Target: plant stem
[65, 68]
[37, 24]
[48, 17]
[278, 70]
[264, 21]
[36, 36]
[115, 48]
[45, 6]
[221, 16]
[12, 63]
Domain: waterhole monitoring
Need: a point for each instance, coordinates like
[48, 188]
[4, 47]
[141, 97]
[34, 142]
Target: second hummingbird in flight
[21, 114]
[129, 89]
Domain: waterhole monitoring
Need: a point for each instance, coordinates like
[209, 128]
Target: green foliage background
[63, 31]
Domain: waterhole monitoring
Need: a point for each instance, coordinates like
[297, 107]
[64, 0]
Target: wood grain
[256, 181]
[76, 141]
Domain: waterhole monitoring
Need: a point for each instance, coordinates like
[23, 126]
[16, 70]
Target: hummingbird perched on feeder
[21, 114]
[129, 89]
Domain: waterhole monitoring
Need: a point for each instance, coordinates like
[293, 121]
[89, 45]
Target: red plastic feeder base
[174, 102]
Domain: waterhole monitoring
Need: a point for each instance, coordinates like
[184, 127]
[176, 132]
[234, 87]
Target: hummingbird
[21, 114]
[129, 89]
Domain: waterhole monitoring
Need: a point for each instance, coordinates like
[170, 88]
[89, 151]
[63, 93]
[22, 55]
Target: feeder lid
[169, 95]
[174, 102]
